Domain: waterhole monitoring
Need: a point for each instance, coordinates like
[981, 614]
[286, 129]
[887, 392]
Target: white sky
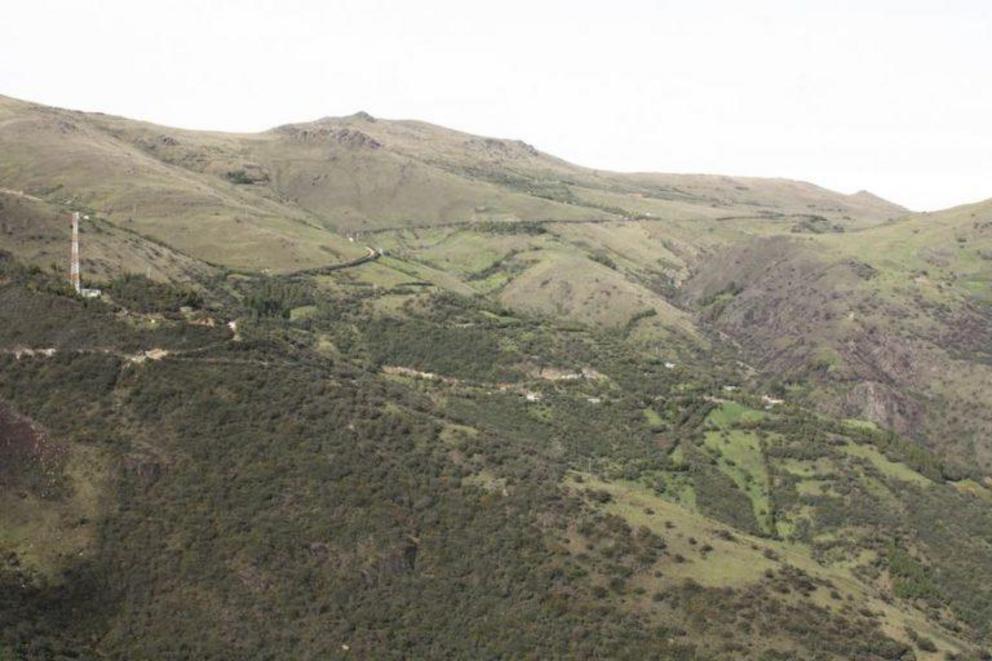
[892, 96]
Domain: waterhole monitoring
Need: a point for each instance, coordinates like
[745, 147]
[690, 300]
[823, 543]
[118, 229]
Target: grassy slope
[346, 174]
[575, 288]
[891, 321]
[38, 232]
[742, 561]
[74, 160]
[305, 185]
[927, 293]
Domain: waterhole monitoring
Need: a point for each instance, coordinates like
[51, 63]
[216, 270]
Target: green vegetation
[242, 468]
[888, 468]
[432, 347]
[277, 298]
[730, 414]
[239, 177]
[508, 227]
[565, 414]
[912, 580]
[139, 293]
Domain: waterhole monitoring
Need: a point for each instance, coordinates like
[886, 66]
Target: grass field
[711, 558]
[885, 466]
[46, 533]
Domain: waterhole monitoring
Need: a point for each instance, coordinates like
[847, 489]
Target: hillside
[345, 475]
[275, 191]
[558, 412]
[285, 200]
[891, 324]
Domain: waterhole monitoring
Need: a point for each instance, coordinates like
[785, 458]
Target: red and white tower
[74, 260]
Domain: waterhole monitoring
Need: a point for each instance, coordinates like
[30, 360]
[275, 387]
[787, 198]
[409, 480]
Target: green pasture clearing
[884, 465]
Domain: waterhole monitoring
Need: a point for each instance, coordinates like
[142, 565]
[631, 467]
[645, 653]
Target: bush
[141, 294]
[239, 177]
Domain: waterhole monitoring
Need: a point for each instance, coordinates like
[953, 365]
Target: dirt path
[21, 194]
[561, 221]
[370, 256]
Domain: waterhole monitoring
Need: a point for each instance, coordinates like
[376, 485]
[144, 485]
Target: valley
[479, 402]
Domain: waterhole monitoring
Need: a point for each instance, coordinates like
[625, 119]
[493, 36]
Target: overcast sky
[890, 96]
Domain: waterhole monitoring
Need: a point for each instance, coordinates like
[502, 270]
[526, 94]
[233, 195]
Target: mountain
[284, 200]
[379, 388]
[288, 194]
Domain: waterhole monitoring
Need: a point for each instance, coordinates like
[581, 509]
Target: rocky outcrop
[869, 351]
[494, 147]
[28, 458]
[345, 137]
[884, 405]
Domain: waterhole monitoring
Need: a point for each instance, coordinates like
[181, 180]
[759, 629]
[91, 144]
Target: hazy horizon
[892, 98]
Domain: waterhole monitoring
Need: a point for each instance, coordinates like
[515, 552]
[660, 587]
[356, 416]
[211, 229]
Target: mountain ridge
[361, 387]
[418, 128]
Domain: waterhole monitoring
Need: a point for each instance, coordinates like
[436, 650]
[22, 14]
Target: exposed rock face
[355, 139]
[969, 332]
[501, 148]
[157, 142]
[883, 405]
[346, 137]
[871, 353]
[27, 455]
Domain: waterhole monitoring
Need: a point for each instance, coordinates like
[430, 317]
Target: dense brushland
[566, 412]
